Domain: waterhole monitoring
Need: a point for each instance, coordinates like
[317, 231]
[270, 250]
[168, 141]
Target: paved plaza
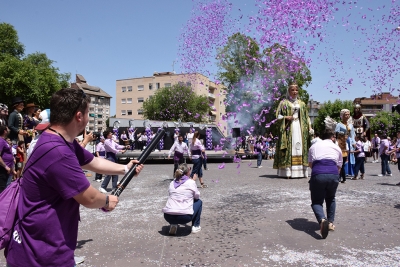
[250, 218]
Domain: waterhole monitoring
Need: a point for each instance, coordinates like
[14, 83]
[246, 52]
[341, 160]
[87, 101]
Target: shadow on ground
[80, 243]
[184, 230]
[306, 226]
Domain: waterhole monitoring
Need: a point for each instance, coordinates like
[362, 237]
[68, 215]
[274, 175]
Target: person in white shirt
[367, 148]
[179, 149]
[189, 136]
[315, 139]
[196, 148]
[183, 204]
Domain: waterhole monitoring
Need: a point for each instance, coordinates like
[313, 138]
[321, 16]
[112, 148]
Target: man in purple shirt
[6, 158]
[54, 187]
[325, 160]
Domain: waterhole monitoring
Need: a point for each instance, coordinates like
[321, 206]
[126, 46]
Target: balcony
[210, 95]
[371, 111]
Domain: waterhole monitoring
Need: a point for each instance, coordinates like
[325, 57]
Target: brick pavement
[250, 218]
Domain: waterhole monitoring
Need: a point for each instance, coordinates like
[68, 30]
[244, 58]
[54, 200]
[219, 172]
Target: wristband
[107, 201]
[126, 169]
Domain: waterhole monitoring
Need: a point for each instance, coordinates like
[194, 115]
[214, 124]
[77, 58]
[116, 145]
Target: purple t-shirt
[53, 176]
[6, 153]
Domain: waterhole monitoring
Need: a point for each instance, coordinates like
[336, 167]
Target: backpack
[9, 201]
[9, 204]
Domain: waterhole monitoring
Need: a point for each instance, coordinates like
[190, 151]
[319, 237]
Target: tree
[9, 43]
[32, 77]
[331, 109]
[385, 122]
[176, 102]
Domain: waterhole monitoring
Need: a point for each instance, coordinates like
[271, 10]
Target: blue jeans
[323, 187]
[359, 166]
[184, 219]
[385, 164]
[197, 164]
[104, 184]
[259, 159]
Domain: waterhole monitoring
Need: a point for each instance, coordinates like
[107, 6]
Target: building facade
[378, 102]
[132, 92]
[99, 107]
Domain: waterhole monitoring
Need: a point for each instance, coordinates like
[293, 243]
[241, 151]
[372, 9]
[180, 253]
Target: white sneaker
[259, 167]
[172, 229]
[380, 175]
[102, 190]
[196, 229]
[389, 174]
[79, 260]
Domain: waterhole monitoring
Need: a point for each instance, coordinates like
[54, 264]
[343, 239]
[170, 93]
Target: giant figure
[291, 157]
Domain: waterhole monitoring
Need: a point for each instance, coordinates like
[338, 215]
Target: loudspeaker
[235, 132]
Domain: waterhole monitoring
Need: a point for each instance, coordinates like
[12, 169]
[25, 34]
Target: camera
[96, 135]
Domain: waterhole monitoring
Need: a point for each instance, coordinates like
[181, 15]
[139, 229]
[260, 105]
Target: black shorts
[367, 154]
[374, 150]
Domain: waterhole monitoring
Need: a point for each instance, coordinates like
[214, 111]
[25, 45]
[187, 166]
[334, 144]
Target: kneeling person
[325, 160]
[183, 204]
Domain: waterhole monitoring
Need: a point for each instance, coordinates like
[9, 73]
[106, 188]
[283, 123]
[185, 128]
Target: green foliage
[236, 57]
[33, 77]
[9, 43]
[385, 122]
[331, 109]
[176, 102]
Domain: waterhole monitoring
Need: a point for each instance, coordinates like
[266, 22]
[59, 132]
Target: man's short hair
[328, 134]
[3, 128]
[106, 133]
[65, 103]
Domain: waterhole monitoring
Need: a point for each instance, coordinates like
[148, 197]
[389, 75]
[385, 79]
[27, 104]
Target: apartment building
[132, 92]
[378, 102]
[99, 107]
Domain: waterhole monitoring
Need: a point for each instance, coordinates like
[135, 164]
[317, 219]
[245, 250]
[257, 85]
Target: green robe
[283, 155]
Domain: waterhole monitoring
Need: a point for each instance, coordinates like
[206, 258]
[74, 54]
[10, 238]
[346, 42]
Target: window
[140, 87]
[181, 83]
[140, 111]
[189, 84]
[129, 112]
[123, 89]
[91, 109]
[129, 88]
[93, 100]
[129, 101]
[167, 84]
[123, 100]
[140, 100]
[123, 112]
[100, 129]
[106, 110]
[150, 86]
[99, 116]
[157, 85]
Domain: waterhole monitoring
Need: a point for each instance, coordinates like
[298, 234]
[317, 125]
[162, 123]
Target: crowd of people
[54, 151]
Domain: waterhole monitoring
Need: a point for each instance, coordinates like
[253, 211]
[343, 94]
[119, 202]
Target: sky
[110, 40]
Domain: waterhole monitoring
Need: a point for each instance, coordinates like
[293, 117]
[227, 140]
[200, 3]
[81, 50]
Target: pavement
[250, 218]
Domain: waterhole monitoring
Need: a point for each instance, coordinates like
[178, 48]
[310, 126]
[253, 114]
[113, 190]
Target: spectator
[29, 122]
[3, 115]
[16, 122]
[179, 149]
[20, 158]
[375, 147]
[111, 148]
[325, 160]
[101, 153]
[367, 148]
[383, 153]
[6, 159]
[259, 149]
[183, 204]
[196, 148]
[360, 159]
[54, 187]
[315, 139]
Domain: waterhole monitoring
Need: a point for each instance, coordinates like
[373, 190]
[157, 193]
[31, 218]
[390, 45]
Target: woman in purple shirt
[360, 159]
[196, 148]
